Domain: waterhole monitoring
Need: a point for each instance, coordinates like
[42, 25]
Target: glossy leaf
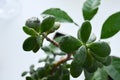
[29, 43]
[89, 60]
[85, 31]
[111, 26]
[100, 74]
[69, 44]
[39, 42]
[41, 72]
[33, 22]
[93, 67]
[78, 61]
[90, 8]
[65, 75]
[101, 48]
[24, 73]
[114, 69]
[88, 76]
[75, 71]
[47, 24]
[29, 78]
[60, 15]
[108, 61]
[29, 31]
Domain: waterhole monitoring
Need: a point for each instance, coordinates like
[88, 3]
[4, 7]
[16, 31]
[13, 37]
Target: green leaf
[104, 60]
[85, 31]
[100, 74]
[29, 43]
[111, 26]
[114, 69]
[101, 48]
[29, 78]
[36, 48]
[41, 72]
[46, 49]
[69, 44]
[93, 67]
[34, 23]
[60, 15]
[90, 8]
[65, 75]
[39, 41]
[76, 71]
[47, 24]
[89, 60]
[29, 31]
[24, 73]
[88, 76]
[78, 61]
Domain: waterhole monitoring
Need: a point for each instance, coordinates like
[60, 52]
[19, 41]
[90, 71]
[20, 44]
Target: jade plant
[67, 55]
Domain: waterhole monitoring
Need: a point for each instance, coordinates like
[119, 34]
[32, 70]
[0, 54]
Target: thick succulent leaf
[100, 48]
[39, 41]
[46, 49]
[36, 48]
[24, 73]
[29, 43]
[104, 60]
[76, 71]
[33, 23]
[41, 72]
[111, 26]
[47, 24]
[29, 31]
[88, 76]
[93, 67]
[100, 74]
[85, 31]
[29, 78]
[90, 8]
[65, 75]
[78, 61]
[60, 15]
[114, 69]
[69, 44]
[89, 60]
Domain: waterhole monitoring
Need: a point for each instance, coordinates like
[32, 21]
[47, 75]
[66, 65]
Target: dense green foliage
[79, 54]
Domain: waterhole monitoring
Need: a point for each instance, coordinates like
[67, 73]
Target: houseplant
[81, 54]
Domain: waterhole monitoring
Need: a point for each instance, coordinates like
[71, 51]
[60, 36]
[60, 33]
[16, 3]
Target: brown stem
[52, 41]
[60, 62]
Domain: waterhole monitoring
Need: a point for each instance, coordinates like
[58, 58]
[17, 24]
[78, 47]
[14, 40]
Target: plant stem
[60, 62]
[52, 41]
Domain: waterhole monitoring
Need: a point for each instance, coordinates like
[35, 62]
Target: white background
[13, 60]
